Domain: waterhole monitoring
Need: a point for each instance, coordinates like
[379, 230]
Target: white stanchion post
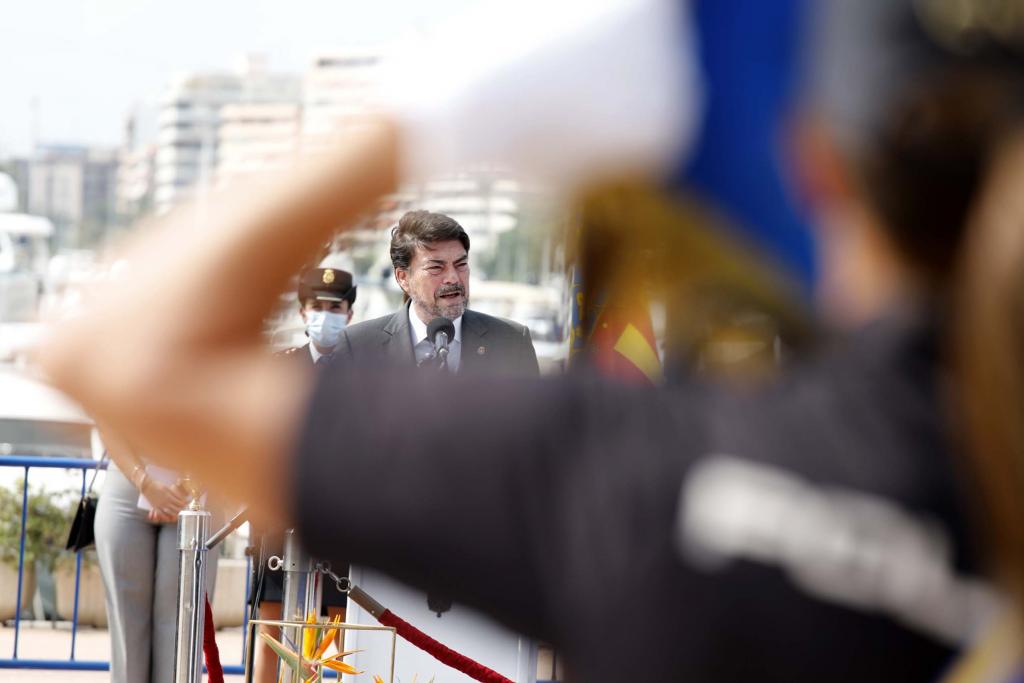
[193, 529]
[298, 589]
[301, 590]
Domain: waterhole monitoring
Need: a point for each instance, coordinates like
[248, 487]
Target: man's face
[330, 306]
[437, 280]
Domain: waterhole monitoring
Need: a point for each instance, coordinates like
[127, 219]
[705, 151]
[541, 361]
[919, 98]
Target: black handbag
[82, 535]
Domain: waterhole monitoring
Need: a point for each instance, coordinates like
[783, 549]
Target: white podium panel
[462, 629]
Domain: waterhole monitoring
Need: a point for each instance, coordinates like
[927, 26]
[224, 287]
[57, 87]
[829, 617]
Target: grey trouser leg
[139, 565]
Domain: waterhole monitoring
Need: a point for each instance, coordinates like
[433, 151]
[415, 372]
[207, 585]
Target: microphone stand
[441, 331]
[441, 342]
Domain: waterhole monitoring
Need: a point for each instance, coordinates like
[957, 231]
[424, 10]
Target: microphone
[441, 331]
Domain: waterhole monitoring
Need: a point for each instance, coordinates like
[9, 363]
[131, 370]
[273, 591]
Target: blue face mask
[324, 328]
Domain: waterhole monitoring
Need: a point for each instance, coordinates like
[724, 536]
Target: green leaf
[287, 655]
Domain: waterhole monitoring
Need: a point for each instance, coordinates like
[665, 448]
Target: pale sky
[87, 63]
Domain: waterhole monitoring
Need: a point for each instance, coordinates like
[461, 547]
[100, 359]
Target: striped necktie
[424, 351]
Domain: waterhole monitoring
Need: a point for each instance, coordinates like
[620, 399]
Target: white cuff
[559, 91]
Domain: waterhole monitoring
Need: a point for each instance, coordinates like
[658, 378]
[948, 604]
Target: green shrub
[46, 530]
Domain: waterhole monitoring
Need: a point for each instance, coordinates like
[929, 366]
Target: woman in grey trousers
[138, 558]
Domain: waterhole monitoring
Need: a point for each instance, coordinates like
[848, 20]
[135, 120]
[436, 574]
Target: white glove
[558, 90]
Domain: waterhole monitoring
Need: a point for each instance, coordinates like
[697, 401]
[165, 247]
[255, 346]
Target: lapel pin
[480, 350]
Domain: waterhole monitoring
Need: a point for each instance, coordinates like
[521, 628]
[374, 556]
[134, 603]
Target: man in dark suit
[430, 255]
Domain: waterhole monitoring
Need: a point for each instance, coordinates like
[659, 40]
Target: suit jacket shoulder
[501, 327]
[363, 332]
[492, 345]
[379, 340]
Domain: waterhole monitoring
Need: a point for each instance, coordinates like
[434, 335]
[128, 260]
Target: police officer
[326, 297]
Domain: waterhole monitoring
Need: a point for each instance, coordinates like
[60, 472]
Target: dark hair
[417, 228]
[925, 171]
[919, 119]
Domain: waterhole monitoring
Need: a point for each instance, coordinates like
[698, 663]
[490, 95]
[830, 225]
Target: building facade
[256, 137]
[188, 137]
[338, 91]
[76, 188]
[136, 175]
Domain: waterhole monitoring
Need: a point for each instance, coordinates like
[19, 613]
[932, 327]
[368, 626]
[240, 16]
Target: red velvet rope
[444, 654]
[215, 673]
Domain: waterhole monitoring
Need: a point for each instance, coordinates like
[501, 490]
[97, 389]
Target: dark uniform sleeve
[554, 504]
[501, 488]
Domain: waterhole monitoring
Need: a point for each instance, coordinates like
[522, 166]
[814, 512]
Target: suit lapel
[396, 340]
[474, 343]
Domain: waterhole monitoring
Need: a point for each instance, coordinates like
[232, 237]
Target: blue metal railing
[28, 463]
[71, 663]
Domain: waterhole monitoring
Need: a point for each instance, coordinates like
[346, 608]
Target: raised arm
[171, 355]
[171, 352]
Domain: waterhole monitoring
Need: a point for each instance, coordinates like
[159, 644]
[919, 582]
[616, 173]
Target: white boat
[38, 420]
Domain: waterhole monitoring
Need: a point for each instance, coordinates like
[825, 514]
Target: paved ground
[44, 642]
[41, 641]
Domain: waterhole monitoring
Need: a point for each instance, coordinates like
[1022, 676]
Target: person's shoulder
[369, 326]
[510, 342]
[496, 324]
[295, 353]
[369, 332]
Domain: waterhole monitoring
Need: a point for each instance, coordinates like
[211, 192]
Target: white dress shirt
[418, 332]
[314, 352]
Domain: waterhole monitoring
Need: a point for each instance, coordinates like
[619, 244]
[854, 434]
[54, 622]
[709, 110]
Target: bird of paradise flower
[315, 643]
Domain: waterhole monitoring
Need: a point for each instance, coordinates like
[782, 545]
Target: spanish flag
[622, 344]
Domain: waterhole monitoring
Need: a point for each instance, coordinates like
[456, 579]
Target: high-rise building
[75, 187]
[188, 137]
[256, 137]
[17, 169]
[338, 90]
[136, 175]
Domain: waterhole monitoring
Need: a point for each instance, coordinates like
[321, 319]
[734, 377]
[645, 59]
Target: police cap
[326, 284]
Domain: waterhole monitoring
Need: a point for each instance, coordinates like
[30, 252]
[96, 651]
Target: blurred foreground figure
[814, 529]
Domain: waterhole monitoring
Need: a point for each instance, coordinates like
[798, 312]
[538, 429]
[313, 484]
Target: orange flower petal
[309, 637]
[328, 638]
[340, 667]
[325, 643]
